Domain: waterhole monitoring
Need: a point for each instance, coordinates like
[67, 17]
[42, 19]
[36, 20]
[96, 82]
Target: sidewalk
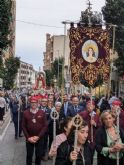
[5, 124]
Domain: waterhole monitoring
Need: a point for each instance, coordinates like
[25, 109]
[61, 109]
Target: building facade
[57, 46]
[48, 54]
[26, 76]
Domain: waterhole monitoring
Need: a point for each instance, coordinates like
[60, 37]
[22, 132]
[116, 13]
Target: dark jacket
[51, 127]
[47, 112]
[34, 129]
[101, 141]
[121, 120]
[63, 154]
[86, 116]
[62, 111]
[15, 111]
[72, 112]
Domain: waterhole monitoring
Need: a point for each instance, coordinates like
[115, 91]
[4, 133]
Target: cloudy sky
[47, 16]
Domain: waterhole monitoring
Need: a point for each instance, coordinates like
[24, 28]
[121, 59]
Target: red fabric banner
[89, 54]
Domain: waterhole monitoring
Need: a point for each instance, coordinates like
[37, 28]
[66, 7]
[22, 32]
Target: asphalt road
[12, 152]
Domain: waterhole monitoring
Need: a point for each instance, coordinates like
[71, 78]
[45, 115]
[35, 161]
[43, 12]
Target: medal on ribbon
[34, 120]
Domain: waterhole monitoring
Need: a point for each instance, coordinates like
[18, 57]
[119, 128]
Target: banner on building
[89, 54]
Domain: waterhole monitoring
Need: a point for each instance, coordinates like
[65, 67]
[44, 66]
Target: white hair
[58, 103]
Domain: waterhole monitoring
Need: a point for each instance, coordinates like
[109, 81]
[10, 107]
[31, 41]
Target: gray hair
[58, 103]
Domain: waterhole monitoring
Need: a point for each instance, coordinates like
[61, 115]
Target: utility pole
[112, 59]
[58, 69]
[63, 83]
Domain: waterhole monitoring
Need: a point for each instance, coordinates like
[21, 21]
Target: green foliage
[5, 18]
[1, 67]
[49, 77]
[113, 12]
[56, 69]
[10, 71]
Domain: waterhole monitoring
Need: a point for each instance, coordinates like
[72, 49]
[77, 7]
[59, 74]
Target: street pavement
[13, 152]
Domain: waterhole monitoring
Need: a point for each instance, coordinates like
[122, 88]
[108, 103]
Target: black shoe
[16, 137]
[20, 135]
[45, 158]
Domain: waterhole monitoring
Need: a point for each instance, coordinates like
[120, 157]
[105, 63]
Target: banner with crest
[89, 54]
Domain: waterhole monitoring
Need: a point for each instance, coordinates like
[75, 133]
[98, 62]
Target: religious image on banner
[90, 51]
[89, 54]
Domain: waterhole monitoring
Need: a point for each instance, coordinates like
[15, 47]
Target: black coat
[62, 111]
[63, 154]
[15, 112]
[71, 111]
[101, 141]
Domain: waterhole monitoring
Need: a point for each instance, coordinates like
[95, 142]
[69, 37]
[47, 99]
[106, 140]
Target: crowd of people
[101, 130]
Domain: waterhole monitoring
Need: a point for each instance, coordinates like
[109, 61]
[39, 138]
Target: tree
[113, 13]
[56, 69]
[49, 77]
[10, 71]
[5, 19]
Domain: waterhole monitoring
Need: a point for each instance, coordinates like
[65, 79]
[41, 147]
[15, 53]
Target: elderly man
[34, 125]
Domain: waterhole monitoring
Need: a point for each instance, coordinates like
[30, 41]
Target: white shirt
[2, 102]
[34, 111]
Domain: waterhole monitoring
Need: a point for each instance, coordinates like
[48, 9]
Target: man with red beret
[116, 105]
[34, 125]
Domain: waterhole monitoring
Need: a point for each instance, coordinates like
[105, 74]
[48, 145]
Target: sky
[46, 16]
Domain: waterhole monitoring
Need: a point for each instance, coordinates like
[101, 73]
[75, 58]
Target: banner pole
[111, 63]
[91, 115]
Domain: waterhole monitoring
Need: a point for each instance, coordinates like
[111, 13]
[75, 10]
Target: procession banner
[89, 54]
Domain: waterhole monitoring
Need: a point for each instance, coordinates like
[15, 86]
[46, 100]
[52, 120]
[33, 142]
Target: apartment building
[26, 76]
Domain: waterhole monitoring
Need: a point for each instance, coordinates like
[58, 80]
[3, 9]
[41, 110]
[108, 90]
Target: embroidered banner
[89, 54]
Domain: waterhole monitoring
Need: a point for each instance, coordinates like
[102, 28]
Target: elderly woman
[66, 154]
[109, 142]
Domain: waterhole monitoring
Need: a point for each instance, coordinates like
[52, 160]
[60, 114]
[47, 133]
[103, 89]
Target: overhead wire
[37, 24]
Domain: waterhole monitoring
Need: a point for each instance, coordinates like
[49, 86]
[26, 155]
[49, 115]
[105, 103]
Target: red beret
[39, 97]
[91, 102]
[33, 99]
[116, 102]
[45, 97]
